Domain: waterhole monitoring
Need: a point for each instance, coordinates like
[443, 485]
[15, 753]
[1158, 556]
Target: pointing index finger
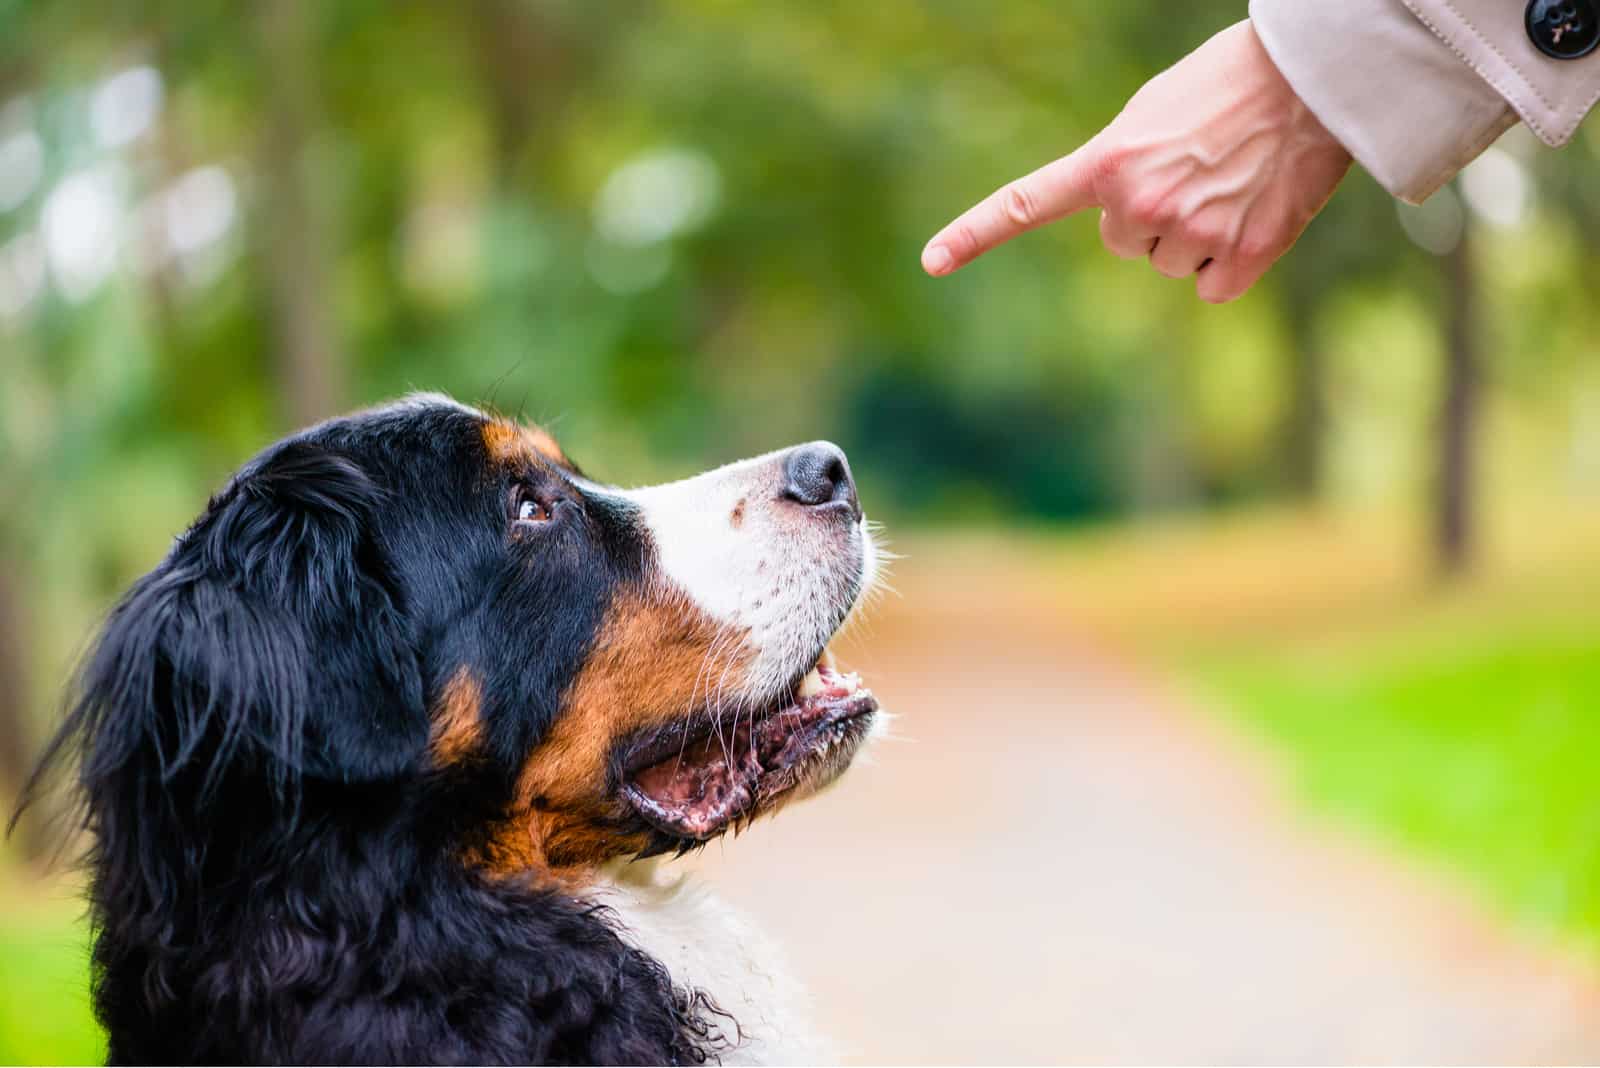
[1052, 192]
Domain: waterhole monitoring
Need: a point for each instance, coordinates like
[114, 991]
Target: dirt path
[1054, 864]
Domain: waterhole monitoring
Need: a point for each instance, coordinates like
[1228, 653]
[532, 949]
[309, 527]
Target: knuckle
[963, 242]
[1150, 210]
[1256, 250]
[1205, 234]
[1108, 167]
[1018, 204]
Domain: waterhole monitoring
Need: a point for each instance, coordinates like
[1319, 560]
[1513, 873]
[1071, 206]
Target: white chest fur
[707, 945]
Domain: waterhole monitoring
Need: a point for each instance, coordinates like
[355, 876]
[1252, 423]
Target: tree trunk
[511, 67]
[527, 64]
[310, 370]
[1455, 529]
[16, 742]
[1306, 422]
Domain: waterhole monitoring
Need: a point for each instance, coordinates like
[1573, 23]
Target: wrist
[1383, 86]
[1305, 130]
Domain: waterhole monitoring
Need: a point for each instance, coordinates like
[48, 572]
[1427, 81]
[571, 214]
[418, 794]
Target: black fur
[276, 872]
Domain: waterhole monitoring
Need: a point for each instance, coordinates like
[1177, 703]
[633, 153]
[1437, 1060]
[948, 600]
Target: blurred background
[1247, 659]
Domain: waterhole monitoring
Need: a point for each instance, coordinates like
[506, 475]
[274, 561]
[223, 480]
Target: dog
[380, 762]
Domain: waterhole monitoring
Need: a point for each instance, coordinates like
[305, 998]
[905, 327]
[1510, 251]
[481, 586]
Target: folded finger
[1177, 258]
[1223, 280]
[1124, 238]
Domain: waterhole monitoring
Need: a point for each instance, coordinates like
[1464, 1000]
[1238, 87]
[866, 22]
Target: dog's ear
[272, 639]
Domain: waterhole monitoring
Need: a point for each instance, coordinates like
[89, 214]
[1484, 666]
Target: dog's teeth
[850, 682]
[812, 684]
[825, 661]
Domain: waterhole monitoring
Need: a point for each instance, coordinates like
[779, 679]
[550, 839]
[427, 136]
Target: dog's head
[430, 597]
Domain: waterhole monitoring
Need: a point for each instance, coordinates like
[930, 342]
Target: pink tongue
[713, 781]
[696, 794]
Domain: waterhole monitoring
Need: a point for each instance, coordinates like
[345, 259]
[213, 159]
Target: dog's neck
[708, 945]
[250, 926]
[249, 910]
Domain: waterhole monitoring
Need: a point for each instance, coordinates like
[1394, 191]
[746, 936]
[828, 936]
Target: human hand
[1213, 168]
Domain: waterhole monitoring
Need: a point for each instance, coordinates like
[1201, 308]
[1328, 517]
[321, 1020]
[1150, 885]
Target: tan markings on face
[657, 659]
[457, 720]
[510, 442]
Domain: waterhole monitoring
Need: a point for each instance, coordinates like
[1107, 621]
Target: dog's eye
[528, 508]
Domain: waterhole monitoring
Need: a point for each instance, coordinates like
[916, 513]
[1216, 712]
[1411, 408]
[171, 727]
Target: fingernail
[936, 260]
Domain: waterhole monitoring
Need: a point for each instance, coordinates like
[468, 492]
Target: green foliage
[461, 158]
[460, 155]
[1475, 753]
[44, 975]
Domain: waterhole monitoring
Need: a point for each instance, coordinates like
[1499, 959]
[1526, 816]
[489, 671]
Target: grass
[44, 1008]
[1479, 754]
[1460, 721]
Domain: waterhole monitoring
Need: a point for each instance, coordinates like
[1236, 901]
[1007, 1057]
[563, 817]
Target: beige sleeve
[1415, 89]
[1551, 95]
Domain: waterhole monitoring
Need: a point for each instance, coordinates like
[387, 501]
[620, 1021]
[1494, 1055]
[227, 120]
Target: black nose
[818, 476]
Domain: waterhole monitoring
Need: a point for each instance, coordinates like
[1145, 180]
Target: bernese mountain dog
[375, 760]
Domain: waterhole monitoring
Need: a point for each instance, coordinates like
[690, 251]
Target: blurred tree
[310, 359]
[687, 230]
[16, 730]
[1457, 478]
[1306, 424]
[1344, 245]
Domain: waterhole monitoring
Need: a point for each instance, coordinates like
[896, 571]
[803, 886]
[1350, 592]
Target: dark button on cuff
[1563, 29]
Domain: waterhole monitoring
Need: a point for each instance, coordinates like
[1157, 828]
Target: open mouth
[699, 777]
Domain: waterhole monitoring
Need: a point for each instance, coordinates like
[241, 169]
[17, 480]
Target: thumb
[1052, 192]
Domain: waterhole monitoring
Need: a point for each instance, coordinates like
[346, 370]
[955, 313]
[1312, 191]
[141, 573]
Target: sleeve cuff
[1395, 95]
